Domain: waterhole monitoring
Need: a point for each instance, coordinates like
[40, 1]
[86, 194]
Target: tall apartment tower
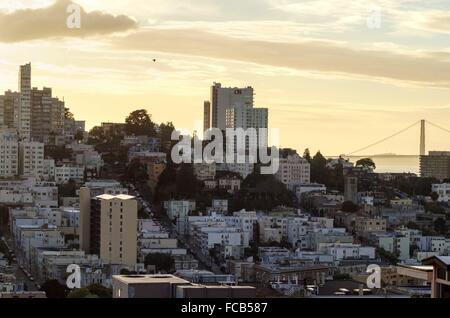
[294, 171]
[115, 228]
[223, 98]
[24, 113]
[9, 104]
[87, 194]
[206, 115]
[351, 189]
[9, 153]
[245, 117]
[31, 159]
[435, 165]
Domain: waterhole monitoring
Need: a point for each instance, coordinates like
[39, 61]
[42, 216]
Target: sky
[336, 75]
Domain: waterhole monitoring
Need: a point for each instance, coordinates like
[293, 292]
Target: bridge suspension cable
[439, 127]
[387, 138]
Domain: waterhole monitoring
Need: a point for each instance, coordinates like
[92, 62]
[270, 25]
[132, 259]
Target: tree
[68, 114]
[136, 171]
[96, 135]
[4, 217]
[53, 289]
[261, 192]
[319, 171]
[100, 291]
[414, 185]
[434, 196]
[286, 152]
[139, 123]
[68, 189]
[57, 153]
[165, 135]
[186, 181]
[440, 226]
[350, 207]
[79, 293]
[434, 208]
[166, 187]
[366, 163]
[307, 155]
[388, 256]
[162, 262]
[79, 136]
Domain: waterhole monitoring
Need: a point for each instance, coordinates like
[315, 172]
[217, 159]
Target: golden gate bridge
[422, 145]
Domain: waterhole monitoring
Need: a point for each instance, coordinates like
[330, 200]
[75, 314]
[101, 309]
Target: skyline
[323, 100]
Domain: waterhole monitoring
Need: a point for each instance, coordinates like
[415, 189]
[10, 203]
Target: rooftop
[149, 279]
[112, 197]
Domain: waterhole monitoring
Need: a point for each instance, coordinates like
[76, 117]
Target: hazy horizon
[332, 82]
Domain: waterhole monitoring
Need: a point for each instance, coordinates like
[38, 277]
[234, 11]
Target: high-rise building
[223, 98]
[18, 157]
[47, 115]
[435, 165]
[34, 113]
[294, 171]
[9, 105]
[87, 193]
[114, 228]
[206, 116]
[245, 117]
[31, 159]
[9, 153]
[24, 112]
[351, 189]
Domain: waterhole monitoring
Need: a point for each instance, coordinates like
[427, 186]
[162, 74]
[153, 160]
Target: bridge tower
[422, 138]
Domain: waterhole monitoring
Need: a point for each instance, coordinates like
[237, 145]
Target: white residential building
[204, 171]
[179, 208]
[9, 153]
[443, 190]
[293, 171]
[341, 251]
[31, 158]
[309, 187]
[243, 169]
[398, 245]
[65, 173]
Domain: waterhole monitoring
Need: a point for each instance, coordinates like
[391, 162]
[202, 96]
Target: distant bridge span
[422, 146]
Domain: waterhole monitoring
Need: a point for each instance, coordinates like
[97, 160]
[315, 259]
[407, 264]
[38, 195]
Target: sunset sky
[330, 81]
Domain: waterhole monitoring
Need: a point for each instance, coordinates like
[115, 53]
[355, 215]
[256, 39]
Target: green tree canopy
[68, 114]
[349, 207]
[165, 135]
[139, 123]
[187, 183]
[136, 171]
[262, 192]
[307, 155]
[319, 171]
[434, 196]
[440, 226]
[366, 163]
[162, 262]
[53, 289]
[79, 293]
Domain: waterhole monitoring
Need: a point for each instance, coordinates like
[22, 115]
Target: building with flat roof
[170, 286]
[440, 281]
[435, 165]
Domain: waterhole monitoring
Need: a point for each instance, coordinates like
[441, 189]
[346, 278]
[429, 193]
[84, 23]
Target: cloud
[51, 22]
[437, 21]
[324, 57]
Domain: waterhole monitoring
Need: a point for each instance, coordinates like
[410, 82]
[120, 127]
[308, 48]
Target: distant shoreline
[376, 156]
